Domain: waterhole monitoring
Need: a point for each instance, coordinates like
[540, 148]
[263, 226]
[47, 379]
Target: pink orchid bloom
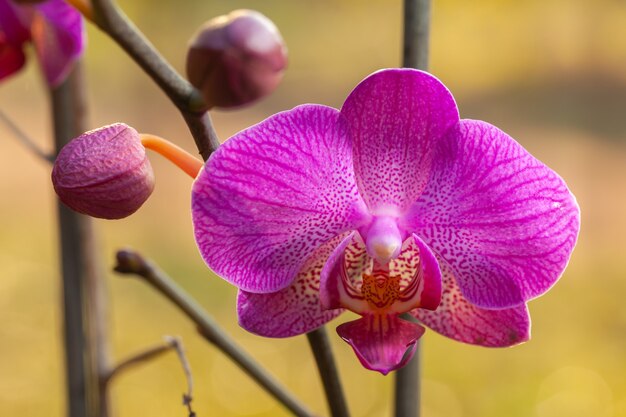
[390, 205]
[55, 29]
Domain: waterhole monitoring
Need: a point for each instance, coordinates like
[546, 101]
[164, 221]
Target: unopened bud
[104, 173]
[236, 58]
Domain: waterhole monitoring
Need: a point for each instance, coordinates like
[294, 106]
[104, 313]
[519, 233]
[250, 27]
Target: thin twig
[24, 139]
[320, 345]
[112, 20]
[171, 343]
[139, 358]
[130, 262]
[415, 55]
[188, 396]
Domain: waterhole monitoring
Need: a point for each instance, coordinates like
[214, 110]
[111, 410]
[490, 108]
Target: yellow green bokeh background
[552, 73]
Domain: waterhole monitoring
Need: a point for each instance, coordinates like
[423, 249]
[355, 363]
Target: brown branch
[407, 383]
[112, 20]
[188, 396]
[130, 262]
[320, 345]
[24, 139]
[171, 343]
[138, 359]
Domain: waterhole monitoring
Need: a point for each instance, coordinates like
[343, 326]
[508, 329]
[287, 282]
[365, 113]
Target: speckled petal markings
[58, 36]
[391, 205]
[429, 290]
[345, 268]
[505, 222]
[272, 194]
[395, 118]
[460, 320]
[293, 310]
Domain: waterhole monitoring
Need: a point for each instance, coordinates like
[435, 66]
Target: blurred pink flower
[390, 205]
[55, 29]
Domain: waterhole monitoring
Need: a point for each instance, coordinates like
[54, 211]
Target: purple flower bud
[236, 58]
[104, 173]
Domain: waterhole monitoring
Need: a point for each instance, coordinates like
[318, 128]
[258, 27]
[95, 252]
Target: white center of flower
[383, 239]
[385, 248]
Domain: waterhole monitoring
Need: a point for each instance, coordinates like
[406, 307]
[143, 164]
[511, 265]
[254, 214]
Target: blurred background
[552, 73]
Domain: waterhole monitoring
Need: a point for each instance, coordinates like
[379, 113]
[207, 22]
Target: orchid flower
[390, 205]
[55, 29]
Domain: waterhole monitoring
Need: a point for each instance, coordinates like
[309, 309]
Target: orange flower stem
[84, 7]
[180, 157]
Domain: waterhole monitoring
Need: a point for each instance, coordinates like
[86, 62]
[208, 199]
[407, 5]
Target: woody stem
[130, 262]
[109, 17]
[320, 345]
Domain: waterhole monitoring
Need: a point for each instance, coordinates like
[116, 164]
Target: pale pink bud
[104, 173]
[236, 58]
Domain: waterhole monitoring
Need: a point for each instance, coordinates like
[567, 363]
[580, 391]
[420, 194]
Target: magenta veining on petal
[390, 205]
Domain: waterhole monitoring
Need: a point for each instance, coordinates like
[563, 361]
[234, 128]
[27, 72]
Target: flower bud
[236, 58]
[104, 173]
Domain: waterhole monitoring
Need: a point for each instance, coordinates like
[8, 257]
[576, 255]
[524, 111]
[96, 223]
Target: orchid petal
[11, 58]
[505, 222]
[340, 277]
[58, 35]
[272, 194]
[458, 319]
[382, 343]
[416, 256]
[396, 116]
[293, 310]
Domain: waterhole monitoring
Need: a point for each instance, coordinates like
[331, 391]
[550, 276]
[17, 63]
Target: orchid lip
[379, 292]
[382, 343]
[376, 289]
